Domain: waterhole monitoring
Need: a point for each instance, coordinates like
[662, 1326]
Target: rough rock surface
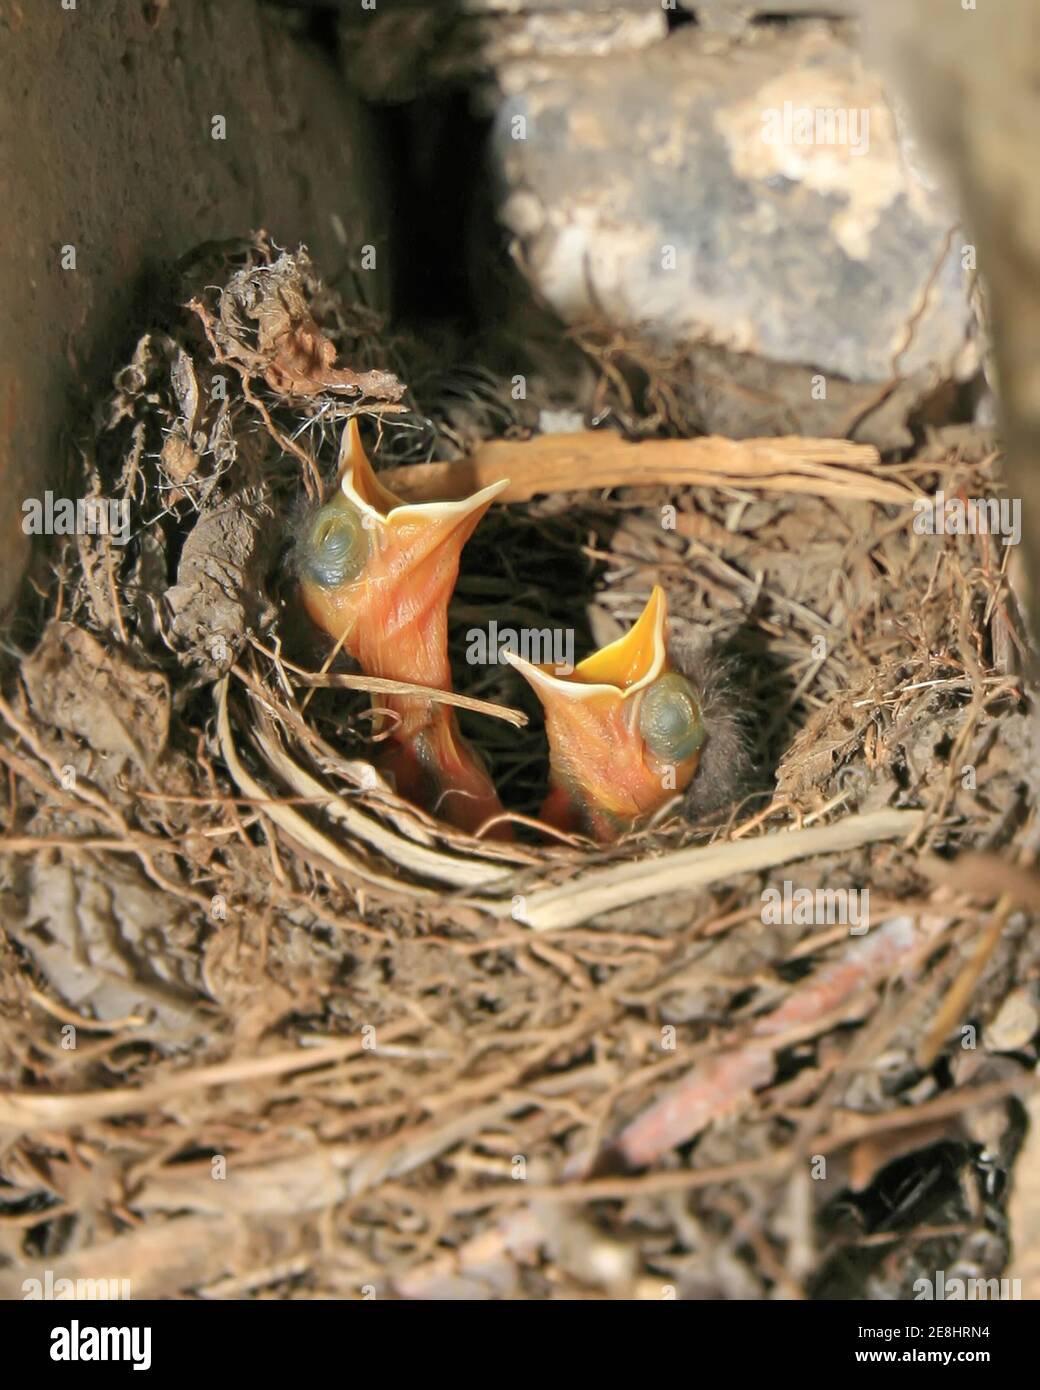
[677, 193]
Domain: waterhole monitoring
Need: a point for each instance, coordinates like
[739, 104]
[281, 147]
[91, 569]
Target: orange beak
[377, 575]
[624, 730]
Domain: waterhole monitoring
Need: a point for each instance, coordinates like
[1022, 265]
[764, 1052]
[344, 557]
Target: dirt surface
[110, 156]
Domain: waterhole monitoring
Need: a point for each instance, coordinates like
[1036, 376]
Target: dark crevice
[680, 17]
[435, 152]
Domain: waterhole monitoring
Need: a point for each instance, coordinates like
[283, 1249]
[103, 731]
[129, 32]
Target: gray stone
[668, 193]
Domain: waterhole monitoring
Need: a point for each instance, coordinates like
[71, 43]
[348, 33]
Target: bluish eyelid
[670, 718]
[334, 547]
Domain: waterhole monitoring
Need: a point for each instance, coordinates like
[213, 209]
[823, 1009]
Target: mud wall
[113, 164]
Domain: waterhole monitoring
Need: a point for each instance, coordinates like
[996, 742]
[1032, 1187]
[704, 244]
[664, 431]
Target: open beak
[376, 574]
[624, 729]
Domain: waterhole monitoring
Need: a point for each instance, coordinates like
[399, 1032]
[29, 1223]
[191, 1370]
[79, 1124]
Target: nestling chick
[377, 573]
[629, 729]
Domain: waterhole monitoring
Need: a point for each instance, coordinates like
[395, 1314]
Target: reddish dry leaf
[865, 960]
[724, 1082]
[716, 1087]
[302, 365]
[298, 359]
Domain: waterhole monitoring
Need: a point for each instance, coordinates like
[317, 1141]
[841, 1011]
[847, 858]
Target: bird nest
[437, 1065]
